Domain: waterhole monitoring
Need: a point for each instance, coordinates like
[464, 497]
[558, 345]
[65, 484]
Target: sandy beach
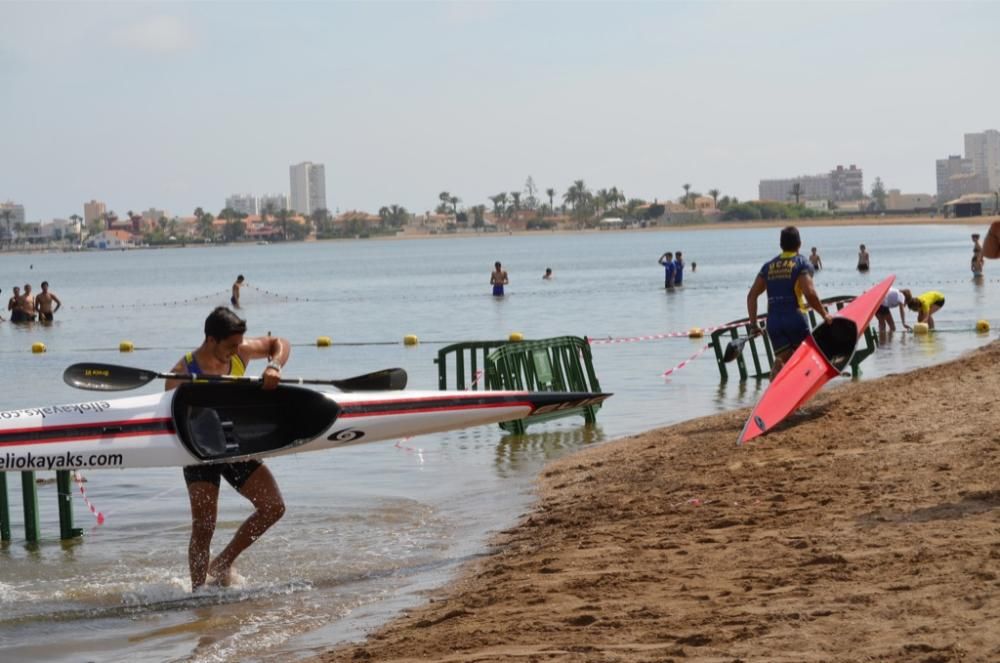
[865, 528]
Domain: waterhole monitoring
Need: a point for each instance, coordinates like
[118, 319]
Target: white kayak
[211, 422]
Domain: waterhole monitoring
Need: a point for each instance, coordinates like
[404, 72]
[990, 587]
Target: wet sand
[865, 528]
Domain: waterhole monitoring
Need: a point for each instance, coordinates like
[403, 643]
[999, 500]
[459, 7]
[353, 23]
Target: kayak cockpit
[219, 421]
[836, 340]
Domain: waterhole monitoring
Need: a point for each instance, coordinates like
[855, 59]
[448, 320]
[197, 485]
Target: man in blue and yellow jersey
[787, 279]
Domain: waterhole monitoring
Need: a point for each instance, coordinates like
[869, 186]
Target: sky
[177, 105]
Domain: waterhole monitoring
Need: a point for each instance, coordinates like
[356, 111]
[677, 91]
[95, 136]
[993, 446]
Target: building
[895, 201]
[272, 203]
[811, 187]
[956, 177]
[838, 185]
[983, 150]
[15, 212]
[847, 183]
[308, 187]
[243, 203]
[111, 239]
[93, 210]
[152, 216]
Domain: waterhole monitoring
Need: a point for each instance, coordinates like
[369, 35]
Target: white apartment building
[983, 149]
[308, 187]
[244, 203]
[277, 201]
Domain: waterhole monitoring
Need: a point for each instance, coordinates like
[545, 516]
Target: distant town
[967, 185]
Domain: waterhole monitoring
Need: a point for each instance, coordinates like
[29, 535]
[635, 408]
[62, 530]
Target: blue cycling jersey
[781, 274]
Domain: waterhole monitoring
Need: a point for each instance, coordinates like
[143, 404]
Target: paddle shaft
[108, 377]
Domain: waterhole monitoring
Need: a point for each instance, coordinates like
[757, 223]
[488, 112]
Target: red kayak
[820, 358]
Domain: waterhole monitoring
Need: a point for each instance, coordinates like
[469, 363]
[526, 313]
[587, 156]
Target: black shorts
[884, 310]
[45, 316]
[236, 474]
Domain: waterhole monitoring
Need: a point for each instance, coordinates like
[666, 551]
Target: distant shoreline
[977, 221]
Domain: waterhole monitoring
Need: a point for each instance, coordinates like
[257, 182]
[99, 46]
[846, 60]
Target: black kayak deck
[220, 421]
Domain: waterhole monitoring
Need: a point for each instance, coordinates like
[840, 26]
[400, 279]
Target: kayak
[820, 358]
[214, 422]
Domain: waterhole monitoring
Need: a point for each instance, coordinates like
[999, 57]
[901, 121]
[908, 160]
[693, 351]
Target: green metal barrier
[763, 370]
[563, 363]
[472, 355]
[29, 501]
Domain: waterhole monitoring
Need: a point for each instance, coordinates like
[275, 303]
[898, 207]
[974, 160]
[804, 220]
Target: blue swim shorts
[786, 330]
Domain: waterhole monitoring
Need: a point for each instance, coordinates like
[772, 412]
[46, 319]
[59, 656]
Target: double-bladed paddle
[109, 377]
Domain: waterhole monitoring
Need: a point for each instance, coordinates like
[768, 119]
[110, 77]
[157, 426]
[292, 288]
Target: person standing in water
[669, 270]
[548, 274]
[864, 260]
[498, 279]
[43, 303]
[234, 298]
[815, 260]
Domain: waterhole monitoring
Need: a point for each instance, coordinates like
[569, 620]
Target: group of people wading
[26, 307]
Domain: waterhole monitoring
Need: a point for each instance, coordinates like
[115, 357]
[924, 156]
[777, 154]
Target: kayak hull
[820, 358]
[203, 423]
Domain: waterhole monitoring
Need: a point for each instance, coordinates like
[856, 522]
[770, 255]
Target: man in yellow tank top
[225, 351]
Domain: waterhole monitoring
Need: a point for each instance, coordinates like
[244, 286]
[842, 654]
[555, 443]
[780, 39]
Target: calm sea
[369, 529]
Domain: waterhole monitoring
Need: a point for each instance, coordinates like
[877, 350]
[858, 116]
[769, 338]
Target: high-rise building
[95, 209]
[308, 187]
[983, 150]
[847, 183]
[242, 203]
[273, 203]
[956, 177]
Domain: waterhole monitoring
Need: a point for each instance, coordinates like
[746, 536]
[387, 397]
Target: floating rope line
[287, 298]
[176, 302]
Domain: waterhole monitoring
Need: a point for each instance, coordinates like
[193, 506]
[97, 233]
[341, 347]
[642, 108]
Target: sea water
[370, 529]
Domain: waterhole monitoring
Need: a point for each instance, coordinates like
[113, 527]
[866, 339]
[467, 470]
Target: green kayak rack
[562, 363]
[29, 501]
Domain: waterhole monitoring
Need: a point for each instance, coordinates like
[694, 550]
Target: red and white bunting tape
[697, 332]
[687, 361]
[97, 514]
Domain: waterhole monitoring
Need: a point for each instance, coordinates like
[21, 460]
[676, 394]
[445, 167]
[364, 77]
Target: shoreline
[865, 528]
[977, 221]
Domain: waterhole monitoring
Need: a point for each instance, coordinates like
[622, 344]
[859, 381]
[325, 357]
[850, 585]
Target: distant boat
[263, 242]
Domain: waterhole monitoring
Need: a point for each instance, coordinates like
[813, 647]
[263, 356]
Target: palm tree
[796, 191]
[499, 204]
[283, 217]
[715, 196]
[454, 200]
[551, 193]
[687, 192]
[576, 194]
[515, 197]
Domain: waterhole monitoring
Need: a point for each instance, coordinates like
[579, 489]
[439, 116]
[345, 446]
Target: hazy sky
[177, 105]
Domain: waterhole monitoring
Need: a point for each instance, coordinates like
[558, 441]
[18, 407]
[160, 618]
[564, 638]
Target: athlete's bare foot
[221, 577]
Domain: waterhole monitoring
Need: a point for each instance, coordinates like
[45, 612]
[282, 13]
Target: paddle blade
[389, 379]
[106, 377]
[734, 348]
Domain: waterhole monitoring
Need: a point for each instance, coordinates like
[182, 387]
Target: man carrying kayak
[225, 351]
[787, 279]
